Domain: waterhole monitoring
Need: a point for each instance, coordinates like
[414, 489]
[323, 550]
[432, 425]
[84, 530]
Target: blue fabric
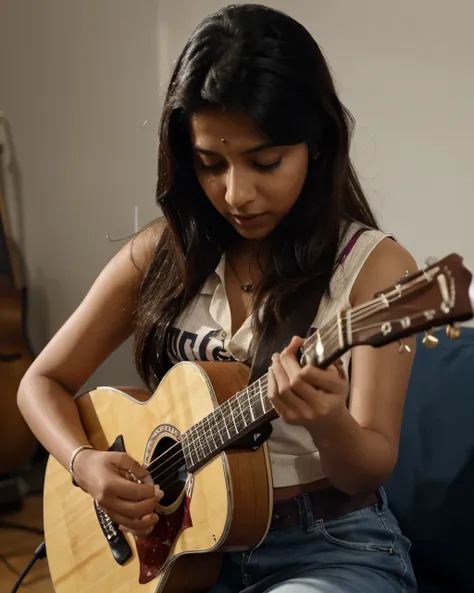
[362, 552]
[431, 491]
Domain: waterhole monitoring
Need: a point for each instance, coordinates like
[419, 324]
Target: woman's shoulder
[387, 262]
[368, 257]
[142, 247]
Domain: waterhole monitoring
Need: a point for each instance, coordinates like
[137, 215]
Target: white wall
[79, 79]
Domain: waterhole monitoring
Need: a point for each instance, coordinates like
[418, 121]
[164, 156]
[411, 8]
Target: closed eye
[259, 166]
[268, 167]
[211, 168]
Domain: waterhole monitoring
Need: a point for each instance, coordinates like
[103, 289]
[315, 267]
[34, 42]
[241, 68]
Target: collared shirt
[203, 332]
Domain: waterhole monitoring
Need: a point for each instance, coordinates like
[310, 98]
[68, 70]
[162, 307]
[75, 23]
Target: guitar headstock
[440, 294]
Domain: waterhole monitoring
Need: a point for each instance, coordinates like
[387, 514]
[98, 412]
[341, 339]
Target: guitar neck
[432, 297]
[246, 410]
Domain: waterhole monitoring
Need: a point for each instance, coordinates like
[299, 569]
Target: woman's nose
[240, 189]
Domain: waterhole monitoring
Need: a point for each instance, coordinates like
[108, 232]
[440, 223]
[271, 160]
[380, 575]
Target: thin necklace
[243, 287]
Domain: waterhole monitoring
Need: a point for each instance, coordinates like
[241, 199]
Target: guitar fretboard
[230, 421]
[250, 408]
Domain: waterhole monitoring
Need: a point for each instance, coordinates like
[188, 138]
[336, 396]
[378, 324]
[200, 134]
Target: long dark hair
[258, 61]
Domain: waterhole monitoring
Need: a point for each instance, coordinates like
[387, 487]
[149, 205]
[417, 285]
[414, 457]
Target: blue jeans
[362, 552]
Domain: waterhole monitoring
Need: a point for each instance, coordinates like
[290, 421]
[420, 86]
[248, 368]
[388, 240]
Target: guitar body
[226, 504]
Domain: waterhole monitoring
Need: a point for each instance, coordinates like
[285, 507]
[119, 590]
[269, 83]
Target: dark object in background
[431, 491]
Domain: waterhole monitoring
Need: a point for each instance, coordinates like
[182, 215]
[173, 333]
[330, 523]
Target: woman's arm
[100, 324]
[358, 447]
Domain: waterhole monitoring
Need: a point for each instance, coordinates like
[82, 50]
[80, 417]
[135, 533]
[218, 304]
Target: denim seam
[244, 565]
[309, 522]
[401, 581]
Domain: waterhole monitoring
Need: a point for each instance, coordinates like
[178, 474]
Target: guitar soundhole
[168, 469]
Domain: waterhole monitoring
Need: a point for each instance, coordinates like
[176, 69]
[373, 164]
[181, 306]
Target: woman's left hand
[306, 396]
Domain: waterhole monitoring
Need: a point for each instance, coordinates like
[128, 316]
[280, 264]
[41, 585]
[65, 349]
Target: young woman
[260, 204]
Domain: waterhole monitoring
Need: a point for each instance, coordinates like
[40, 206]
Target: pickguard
[154, 549]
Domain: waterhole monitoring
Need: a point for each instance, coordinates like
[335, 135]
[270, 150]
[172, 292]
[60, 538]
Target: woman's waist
[320, 500]
[287, 492]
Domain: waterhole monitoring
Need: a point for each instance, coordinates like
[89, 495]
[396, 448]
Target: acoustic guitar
[17, 442]
[218, 491]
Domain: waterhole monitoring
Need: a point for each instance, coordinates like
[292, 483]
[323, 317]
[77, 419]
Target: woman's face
[250, 181]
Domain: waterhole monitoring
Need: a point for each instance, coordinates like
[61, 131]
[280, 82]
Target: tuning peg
[430, 261]
[429, 340]
[453, 332]
[403, 347]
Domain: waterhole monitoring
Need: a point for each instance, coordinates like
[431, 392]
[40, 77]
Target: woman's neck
[249, 251]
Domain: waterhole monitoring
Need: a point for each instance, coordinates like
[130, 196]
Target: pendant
[247, 287]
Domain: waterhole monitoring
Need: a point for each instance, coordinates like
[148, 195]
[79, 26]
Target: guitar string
[370, 326]
[163, 473]
[308, 344]
[168, 473]
[253, 391]
[247, 419]
[253, 394]
[164, 470]
[357, 313]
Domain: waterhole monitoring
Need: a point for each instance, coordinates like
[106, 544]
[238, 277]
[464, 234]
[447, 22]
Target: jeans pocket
[361, 531]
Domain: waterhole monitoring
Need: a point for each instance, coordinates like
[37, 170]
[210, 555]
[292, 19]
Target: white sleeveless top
[203, 332]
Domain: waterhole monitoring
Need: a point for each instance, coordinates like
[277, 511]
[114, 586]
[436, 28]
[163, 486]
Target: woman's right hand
[105, 476]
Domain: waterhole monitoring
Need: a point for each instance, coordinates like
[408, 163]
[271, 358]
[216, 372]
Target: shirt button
[224, 334]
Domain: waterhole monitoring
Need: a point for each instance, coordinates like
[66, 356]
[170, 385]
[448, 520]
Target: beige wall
[78, 81]
[81, 84]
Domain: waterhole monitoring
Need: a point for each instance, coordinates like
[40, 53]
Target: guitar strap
[275, 339]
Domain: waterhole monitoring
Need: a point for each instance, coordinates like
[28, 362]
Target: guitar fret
[261, 395]
[232, 417]
[247, 391]
[211, 430]
[204, 433]
[186, 444]
[257, 405]
[199, 442]
[224, 421]
[241, 411]
[216, 429]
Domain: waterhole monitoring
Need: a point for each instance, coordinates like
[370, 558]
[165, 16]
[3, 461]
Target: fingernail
[148, 479]
[158, 492]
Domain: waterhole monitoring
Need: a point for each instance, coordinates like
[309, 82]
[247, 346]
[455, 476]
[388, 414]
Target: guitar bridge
[118, 544]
